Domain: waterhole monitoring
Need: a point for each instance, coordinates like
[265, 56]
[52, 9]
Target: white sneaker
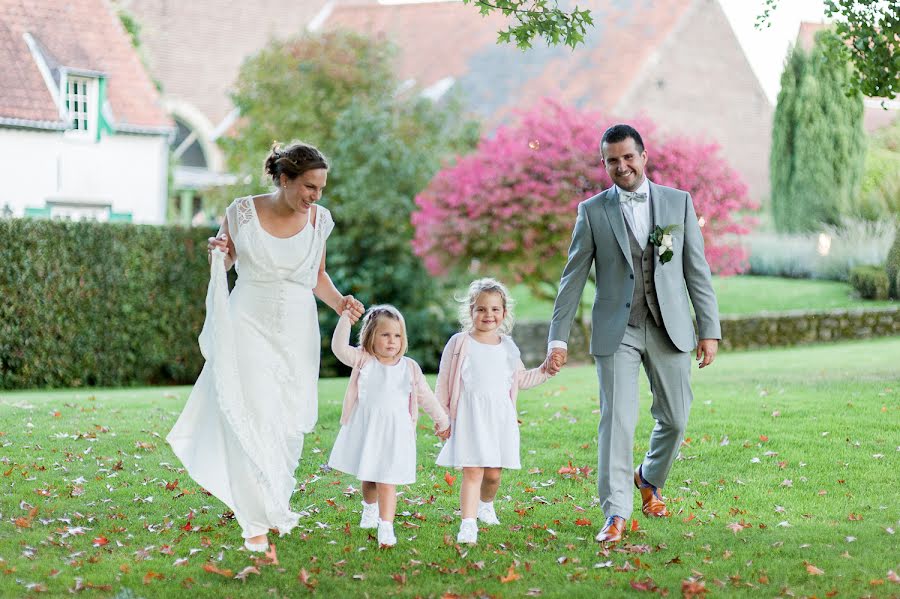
[468, 532]
[386, 534]
[487, 514]
[369, 517]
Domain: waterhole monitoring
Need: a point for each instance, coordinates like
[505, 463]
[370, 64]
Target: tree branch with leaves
[538, 18]
[868, 37]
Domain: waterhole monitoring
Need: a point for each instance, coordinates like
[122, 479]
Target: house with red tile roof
[675, 61]
[83, 134]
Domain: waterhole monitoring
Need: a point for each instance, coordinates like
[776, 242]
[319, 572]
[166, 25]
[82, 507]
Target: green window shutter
[103, 125]
[120, 217]
[38, 212]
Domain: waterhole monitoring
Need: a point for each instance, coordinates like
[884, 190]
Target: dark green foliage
[338, 91]
[870, 281]
[818, 144]
[892, 267]
[88, 304]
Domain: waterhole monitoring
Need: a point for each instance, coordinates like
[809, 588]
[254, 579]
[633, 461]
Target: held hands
[442, 435]
[352, 307]
[706, 351]
[556, 358]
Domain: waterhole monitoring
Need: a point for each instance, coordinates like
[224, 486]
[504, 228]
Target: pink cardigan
[448, 382]
[357, 358]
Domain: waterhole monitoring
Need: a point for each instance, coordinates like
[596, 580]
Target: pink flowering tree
[508, 208]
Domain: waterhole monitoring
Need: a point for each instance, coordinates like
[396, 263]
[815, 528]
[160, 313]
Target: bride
[241, 432]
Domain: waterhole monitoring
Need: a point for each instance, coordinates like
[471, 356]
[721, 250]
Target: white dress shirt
[638, 216]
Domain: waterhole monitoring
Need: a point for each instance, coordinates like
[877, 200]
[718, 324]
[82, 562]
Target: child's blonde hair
[373, 317]
[476, 288]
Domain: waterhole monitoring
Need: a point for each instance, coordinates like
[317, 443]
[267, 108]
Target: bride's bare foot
[258, 543]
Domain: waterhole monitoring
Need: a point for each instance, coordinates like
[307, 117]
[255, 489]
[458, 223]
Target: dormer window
[81, 104]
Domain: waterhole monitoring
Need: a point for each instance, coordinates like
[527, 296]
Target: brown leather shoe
[613, 531]
[653, 504]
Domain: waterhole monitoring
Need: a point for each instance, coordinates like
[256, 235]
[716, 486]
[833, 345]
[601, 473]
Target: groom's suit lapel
[617, 221]
[656, 207]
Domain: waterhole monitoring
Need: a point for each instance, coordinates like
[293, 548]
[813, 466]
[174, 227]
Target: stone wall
[766, 329]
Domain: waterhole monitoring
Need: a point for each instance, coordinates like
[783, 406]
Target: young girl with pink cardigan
[480, 375]
[377, 440]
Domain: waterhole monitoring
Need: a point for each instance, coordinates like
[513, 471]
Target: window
[81, 103]
[77, 212]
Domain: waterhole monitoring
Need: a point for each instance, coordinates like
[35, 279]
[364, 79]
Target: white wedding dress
[241, 432]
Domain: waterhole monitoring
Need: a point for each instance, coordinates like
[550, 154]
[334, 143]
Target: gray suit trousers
[669, 372]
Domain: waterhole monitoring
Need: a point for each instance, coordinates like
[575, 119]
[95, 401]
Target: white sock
[464, 520]
[484, 503]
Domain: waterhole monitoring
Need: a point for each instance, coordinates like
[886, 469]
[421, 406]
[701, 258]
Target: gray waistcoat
[644, 300]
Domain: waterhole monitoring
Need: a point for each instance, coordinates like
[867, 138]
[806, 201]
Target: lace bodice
[261, 257]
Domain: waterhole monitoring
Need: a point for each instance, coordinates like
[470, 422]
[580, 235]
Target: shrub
[510, 206]
[892, 266]
[870, 281]
[826, 255]
[89, 304]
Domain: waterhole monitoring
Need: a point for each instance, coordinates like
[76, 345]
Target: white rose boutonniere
[661, 237]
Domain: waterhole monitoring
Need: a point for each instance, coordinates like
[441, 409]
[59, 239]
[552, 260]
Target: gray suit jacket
[600, 238]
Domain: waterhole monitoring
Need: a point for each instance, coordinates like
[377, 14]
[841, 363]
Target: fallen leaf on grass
[582, 522]
[644, 585]
[304, 578]
[814, 571]
[691, 588]
[100, 541]
[243, 574]
[511, 575]
[150, 576]
[634, 525]
[449, 479]
[213, 569]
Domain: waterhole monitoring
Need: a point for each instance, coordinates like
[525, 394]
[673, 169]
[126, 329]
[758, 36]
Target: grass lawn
[740, 295]
[786, 486]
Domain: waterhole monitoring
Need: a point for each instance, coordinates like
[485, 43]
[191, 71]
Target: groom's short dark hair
[620, 132]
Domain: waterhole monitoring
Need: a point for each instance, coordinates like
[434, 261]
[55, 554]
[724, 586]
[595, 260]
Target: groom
[640, 316]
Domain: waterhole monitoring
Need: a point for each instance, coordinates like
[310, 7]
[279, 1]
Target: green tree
[866, 37]
[338, 91]
[818, 143]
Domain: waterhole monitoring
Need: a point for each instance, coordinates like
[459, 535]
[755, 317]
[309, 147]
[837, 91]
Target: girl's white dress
[486, 430]
[379, 442]
[240, 434]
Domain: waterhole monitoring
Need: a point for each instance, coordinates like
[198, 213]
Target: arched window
[186, 148]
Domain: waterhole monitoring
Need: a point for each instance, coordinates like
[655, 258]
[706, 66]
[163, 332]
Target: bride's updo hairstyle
[374, 316]
[293, 160]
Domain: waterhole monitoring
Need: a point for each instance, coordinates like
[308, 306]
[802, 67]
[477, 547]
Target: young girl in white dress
[480, 374]
[377, 440]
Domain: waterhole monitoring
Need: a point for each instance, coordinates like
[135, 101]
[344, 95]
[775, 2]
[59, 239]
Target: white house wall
[128, 171]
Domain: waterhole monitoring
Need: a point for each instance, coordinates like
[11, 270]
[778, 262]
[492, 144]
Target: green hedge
[870, 281]
[88, 304]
